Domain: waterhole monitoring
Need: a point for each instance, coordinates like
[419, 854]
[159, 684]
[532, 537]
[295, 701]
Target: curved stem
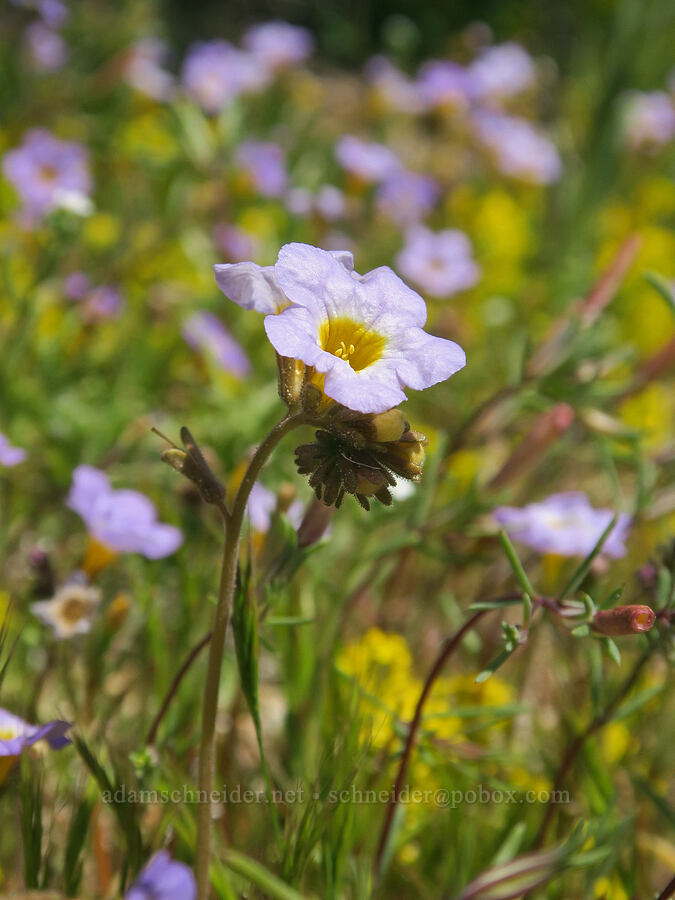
[572, 752]
[175, 684]
[447, 650]
[228, 575]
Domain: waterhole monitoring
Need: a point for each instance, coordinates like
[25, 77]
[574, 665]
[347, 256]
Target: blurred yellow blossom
[609, 889]
[102, 230]
[652, 412]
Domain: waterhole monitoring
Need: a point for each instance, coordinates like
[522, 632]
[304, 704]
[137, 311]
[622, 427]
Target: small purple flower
[277, 45]
[163, 879]
[17, 735]
[104, 302]
[364, 333]
[330, 202]
[53, 12]
[649, 119]
[502, 71]
[47, 172]
[445, 85]
[204, 331]
[397, 90]
[299, 201]
[125, 521]
[440, 263]
[144, 71]
[46, 47]
[564, 524]
[519, 150]
[76, 286]
[264, 163]
[235, 242]
[261, 504]
[407, 197]
[10, 456]
[216, 72]
[366, 160]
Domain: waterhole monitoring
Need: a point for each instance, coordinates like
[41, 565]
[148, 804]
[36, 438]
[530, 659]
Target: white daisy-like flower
[70, 611]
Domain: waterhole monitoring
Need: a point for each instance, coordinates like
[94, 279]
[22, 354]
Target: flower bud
[191, 463]
[406, 456]
[292, 377]
[385, 427]
[314, 524]
[622, 620]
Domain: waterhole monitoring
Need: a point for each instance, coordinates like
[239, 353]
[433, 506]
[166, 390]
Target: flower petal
[250, 286]
[428, 359]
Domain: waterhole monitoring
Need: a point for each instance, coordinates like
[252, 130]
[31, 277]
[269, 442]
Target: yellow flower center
[7, 735]
[351, 341]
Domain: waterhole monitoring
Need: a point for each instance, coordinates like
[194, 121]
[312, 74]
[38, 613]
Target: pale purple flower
[235, 242]
[255, 287]
[407, 197]
[502, 71]
[47, 172]
[330, 202]
[564, 524]
[205, 332]
[163, 879]
[299, 201]
[265, 164]
[445, 85]
[144, 70]
[46, 47]
[649, 119]
[76, 286]
[10, 456]
[17, 735]
[397, 90]
[519, 150]
[439, 263]
[367, 160]
[123, 520]
[364, 333]
[261, 504]
[216, 72]
[277, 45]
[104, 302]
[53, 12]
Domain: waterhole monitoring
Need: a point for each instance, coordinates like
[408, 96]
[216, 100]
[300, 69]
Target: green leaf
[516, 564]
[247, 648]
[271, 886]
[584, 567]
[663, 288]
[612, 650]
[77, 836]
[660, 802]
[114, 794]
[496, 663]
[511, 845]
[637, 702]
[31, 823]
[290, 620]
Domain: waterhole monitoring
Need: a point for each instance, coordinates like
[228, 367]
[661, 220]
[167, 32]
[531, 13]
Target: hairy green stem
[228, 576]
